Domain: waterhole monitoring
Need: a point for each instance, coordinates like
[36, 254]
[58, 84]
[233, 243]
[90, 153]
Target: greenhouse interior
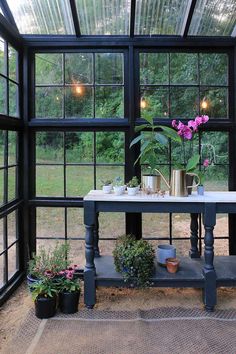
[103, 92]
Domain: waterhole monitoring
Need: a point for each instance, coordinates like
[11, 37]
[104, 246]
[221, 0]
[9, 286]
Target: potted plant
[118, 187]
[201, 174]
[69, 291]
[48, 262]
[106, 186]
[133, 186]
[134, 259]
[153, 144]
[44, 294]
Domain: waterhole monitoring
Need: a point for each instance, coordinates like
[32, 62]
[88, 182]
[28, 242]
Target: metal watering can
[177, 186]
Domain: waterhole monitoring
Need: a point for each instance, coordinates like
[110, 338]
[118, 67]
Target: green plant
[133, 182]
[46, 287]
[49, 262]
[153, 142]
[134, 259]
[106, 182]
[118, 181]
[68, 282]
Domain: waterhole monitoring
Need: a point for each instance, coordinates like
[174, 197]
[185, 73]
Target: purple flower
[206, 163]
[192, 124]
[205, 119]
[173, 123]
[185, 132]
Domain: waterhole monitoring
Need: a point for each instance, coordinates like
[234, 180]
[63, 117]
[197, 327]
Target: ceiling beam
[9, 33]
[8, 14]
[75, 18]
[132, 17]
[188, 18]
[233, 34]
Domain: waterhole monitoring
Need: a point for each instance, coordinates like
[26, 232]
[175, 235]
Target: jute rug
[164, 330]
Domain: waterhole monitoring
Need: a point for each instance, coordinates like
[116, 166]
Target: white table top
[209, 197]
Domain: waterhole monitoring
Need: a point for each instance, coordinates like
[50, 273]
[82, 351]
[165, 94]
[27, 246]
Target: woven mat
[162, 330]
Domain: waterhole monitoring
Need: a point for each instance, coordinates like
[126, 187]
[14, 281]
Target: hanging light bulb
[204, 104]
[78, 90]
[143, 102]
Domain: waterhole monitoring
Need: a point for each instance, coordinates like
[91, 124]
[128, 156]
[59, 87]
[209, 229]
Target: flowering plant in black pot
[69, 291]
[134, 259]
[44, 294]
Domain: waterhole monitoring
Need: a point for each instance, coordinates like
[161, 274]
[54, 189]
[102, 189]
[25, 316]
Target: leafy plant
[133, 182]
[68, 282]
[49, 262]
[153, 142]
[118, 181]
[106, 182]
[134, 259]
[46, 287]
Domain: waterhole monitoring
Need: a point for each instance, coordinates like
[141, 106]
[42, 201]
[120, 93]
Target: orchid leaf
[192, 163]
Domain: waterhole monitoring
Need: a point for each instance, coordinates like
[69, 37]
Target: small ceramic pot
[123, 189]
[118, 190]
[163, 252]
[200, 190]
[172, 265]
[131, 191]
[107, 189]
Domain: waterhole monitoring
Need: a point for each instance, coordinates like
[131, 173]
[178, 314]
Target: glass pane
[2, 271]
[1, 187]
[215, 147]
[79, 102]
[108, 172]
[11, 228]
[213, 69]
[184, 102]
[3, 95]
[13, 260]
[154, 100]
[2, 147]
[77, 254]
[75, 223]
[79, 147]
[160, 16]
[215, 102]
[222, 229]
[12, 62]
[211, 17]
[109, 102]
[183, 68]
[79, 180]
[49, 147]
[2, 241]
[42, 17]
[49, 102]
[49, 181]
[155, 225]
[181, 226]
[78, 68]
[48, 69]
[110, 147]
[13, 100]
[109, 68]
[154, 68]
[12, 192]
[104, 17]
[110, 225]
[216, 178]
[12, 148]
[50, 222]
[2, 57]
[221, 247]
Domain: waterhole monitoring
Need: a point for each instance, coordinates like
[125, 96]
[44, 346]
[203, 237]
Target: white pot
[165, 251]
[137, 189]
[107, 189]
[118, 190]
[123, 189]
[132, 191]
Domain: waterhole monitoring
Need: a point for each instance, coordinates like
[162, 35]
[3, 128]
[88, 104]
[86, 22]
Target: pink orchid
[173, 123]
[205, 119]
[192, 124]
[185, 132]
[206, 163]
[198, 120]
[180, 126]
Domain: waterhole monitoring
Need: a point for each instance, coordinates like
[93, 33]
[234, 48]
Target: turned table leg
[96, 237]
[194, 252]
[209, 270]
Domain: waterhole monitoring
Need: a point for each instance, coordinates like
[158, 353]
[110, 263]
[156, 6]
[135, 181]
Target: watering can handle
[194, 185]
[167, 184]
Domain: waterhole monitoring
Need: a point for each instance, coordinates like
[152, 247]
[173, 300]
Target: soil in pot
[45, 307]
[69, 301]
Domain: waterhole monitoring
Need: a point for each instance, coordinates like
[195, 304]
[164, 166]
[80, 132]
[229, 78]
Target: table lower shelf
[189, 274]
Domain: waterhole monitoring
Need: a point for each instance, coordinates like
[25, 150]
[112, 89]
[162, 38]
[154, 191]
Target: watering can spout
[164, 179]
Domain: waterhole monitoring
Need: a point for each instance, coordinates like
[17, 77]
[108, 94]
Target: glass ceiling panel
[104, 17]
[160, 16]
[42, 16]
[213, 17]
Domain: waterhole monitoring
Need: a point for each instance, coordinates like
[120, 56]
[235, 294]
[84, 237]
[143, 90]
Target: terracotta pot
[172, 265]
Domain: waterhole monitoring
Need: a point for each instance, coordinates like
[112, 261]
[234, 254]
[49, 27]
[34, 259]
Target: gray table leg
[89, 270]
[209, 270]
[96, 237]
[194, 252]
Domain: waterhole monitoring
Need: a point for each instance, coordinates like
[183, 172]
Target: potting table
[205, 272]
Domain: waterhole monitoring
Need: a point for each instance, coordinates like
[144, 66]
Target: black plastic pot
[45, 307]
[68, 301]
